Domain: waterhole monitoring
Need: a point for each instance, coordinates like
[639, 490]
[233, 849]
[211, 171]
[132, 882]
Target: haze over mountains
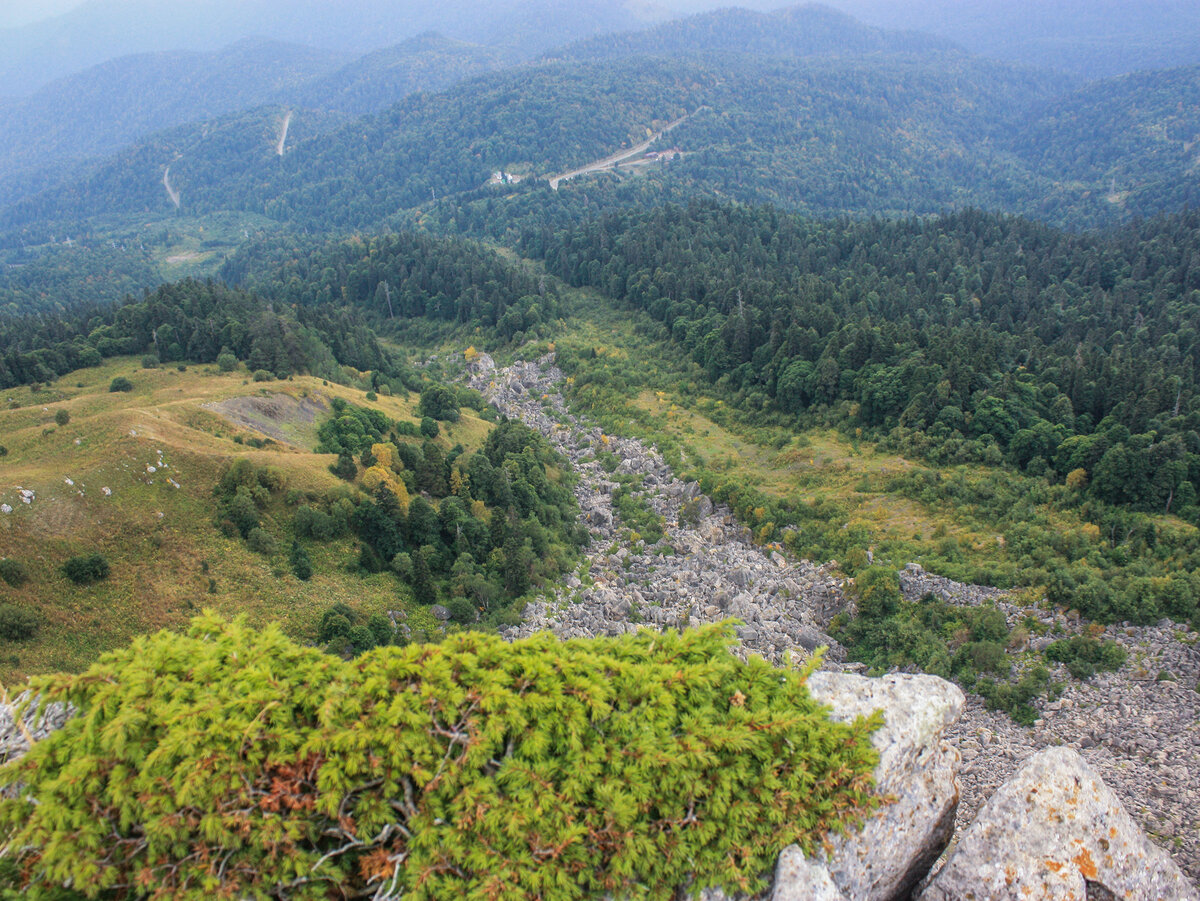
[102, 29]
[1091, 39]
[804, 107]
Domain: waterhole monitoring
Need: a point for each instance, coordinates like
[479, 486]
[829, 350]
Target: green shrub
[3, 451]
[335, 622]
[150, 361]
[345, 467]
[120, 383]
[226, 362]
[1015, 698]
[300, 562]
[1085, 656]
[429, 427]
[263, 375]
[17, 624]
[381, 629]
[461, 610]
[13, 572]
[632, 766]
[439, 402]
[261, 541]
[61, 417]
[878, 591]
[85, 570]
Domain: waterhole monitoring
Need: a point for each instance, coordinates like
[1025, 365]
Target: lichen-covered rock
[800, 879]
[897, 846]
[1055, 831]
[16, 735]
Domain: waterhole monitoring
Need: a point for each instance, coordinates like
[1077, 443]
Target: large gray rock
[898, 845]
[17, 734]
[1055, 831]
[799, 879]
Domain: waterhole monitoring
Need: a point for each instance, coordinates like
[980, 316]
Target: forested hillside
[795, 31]
[192, 321]
[845, 135]
[970, 337]
[306, 305]
[398, 277]
[883, 122]
[1151, 153]
[103, 109]
[427, 62]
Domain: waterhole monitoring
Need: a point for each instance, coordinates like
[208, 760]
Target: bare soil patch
[282, 417]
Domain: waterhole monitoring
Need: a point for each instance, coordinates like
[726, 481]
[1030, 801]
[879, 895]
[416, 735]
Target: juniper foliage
[232, 762]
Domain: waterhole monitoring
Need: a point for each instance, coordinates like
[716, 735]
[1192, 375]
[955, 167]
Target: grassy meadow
[159, 450]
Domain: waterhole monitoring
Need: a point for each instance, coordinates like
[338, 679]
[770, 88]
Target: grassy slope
[160, 540]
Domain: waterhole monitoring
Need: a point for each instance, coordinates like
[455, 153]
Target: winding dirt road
[621, 156]
[283, 132]
[171, 192]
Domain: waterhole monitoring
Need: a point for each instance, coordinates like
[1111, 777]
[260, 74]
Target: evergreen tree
[300, 562]
[424, 590]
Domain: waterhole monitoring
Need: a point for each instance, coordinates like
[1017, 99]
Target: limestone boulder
[798, 878]
[1055, 831]
[898, 845]
[17, 734]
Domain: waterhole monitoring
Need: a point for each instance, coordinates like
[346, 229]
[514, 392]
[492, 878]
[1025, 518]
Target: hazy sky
[22, 12]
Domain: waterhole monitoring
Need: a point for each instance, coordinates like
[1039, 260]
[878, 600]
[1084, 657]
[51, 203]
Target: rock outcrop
[897, 846]
[18, 733]
[1055, 831]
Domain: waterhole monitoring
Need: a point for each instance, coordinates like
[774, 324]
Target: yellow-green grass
[160, 540]
[812, 465]
[815, 465]
[823, 465]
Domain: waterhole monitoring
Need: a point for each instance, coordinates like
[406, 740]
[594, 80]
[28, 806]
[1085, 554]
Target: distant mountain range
[810, 30]
[1088, 38]
[99, 30]
[99, 111]
[805, 108]
[110, 106]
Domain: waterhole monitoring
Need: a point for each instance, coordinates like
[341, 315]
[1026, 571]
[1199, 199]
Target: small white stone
[5, 509]
[107, 492]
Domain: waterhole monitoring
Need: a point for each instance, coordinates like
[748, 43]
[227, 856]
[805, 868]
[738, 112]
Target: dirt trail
[171, 192]
[283, 133]
[621, 156]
